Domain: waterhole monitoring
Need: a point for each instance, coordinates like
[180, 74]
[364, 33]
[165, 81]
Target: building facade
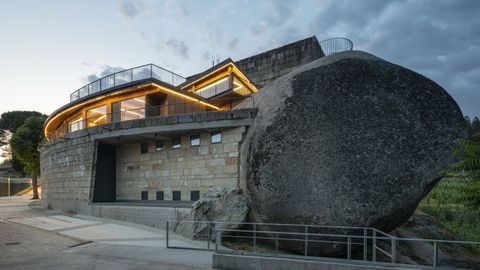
[149, 135]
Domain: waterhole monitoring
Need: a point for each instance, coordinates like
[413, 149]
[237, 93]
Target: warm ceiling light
[210, 85]
[140, 100]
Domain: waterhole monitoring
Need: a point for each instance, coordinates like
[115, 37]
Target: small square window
[216, 137]
[177, 196]
[144, 195]
[194, 195]
[176, 143]
[159, 195]
[195, 140]
[144, 148]
[160, 145]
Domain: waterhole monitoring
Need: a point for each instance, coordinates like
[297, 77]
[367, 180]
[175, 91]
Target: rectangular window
[195, 140]
[159, 145]
[76, 124]
[159, 195]
[97, 116]
[128, 109]
[216, 137]
[144, 148]
[144, 195]
[176, 143]
[194, 195]
[176, 195]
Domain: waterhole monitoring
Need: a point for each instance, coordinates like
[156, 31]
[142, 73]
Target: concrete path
[35, 238]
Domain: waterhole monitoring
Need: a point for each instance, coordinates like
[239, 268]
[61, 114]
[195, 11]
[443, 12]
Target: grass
[448, 203]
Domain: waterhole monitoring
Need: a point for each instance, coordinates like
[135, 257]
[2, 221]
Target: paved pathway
[36, 238]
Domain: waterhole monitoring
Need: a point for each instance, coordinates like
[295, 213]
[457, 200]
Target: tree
[25, 143]
[9, 123]
[469, 165]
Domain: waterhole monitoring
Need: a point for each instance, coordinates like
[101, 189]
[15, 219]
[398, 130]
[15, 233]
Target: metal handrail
[114, 80]
[374, 240]
[336, 45]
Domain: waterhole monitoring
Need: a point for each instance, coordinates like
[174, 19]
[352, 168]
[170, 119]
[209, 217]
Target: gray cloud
[438, 38]
[178, 47]
[130, 9]
[278, 14]
[232, 44]
[106, 70]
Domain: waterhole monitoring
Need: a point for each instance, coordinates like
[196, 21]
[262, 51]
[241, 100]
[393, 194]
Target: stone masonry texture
[67, 164]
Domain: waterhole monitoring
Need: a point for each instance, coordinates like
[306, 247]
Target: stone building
[148, 135]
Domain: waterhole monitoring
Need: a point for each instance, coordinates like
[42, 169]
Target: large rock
[349, 139]
[219, 204]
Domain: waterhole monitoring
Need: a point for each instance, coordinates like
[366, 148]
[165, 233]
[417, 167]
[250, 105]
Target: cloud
[232, 44]
[131, 9]
[278, 14]
[178, 47]
[437, 38]
[106, 70]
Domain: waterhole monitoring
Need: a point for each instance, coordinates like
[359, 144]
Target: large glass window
[97, 116]
[129, 109]
[75, 124]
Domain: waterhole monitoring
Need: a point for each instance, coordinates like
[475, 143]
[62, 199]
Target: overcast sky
[48, 49]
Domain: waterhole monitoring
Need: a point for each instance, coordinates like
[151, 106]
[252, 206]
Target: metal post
[349, 248]
[131, 75]
[276, 242]
[151, 71]
[306, 240]
[254, 235]
[435, 254]
[394, 250]
[374, 246]
[166, 236]
[365, 244]
[8, 186]
[209, 233]
[218, 237]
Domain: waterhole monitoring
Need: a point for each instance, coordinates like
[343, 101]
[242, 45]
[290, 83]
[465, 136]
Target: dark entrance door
[105, 175]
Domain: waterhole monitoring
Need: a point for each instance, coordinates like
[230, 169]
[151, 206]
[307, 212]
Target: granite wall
[265, 67]
[190, 168]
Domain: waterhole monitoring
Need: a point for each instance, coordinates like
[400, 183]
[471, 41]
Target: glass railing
[128, 76]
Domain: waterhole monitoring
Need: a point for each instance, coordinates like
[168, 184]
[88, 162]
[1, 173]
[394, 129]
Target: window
[176, 196]
[159, 195]
[76, 124]
[129, 109]
[195, 140]
[144, 148]
[159, 145]
[216, 137]
[194, 195]
[97, 116]
[144, 195]
[176, 143]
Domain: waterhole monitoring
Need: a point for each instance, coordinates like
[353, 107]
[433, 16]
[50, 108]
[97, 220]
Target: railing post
[131, 75]
[151, 71]
[254, 235]
[114, 79]
[306, 240]
[365, 252]
[276, 242]
[167, 235]
[209, 235]
[349, 248]
[435, 254]
[218, 237]
[374, 245]
[394, 250]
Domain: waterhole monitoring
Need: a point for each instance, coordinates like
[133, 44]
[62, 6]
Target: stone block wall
[265, 67]
[66, 169]
[189, 168]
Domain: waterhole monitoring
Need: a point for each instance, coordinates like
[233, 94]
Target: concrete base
[243, 262]
[153, 216]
